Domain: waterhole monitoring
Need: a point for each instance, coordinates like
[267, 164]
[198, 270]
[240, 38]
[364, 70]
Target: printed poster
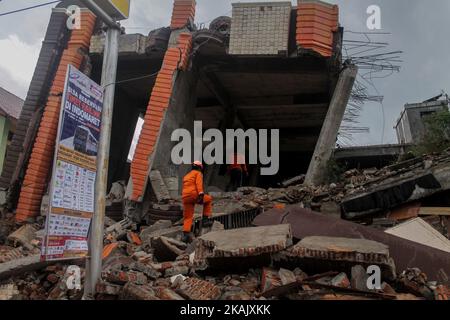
[74, 169]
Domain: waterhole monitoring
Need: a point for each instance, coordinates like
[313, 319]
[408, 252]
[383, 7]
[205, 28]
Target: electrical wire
[28, 8]
[134, 79]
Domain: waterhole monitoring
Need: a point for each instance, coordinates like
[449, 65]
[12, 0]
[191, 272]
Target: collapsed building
[270, 66]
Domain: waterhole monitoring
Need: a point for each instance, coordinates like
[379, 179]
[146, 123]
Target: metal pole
[109, 72]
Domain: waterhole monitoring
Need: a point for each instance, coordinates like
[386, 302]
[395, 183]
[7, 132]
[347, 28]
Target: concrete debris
[398, 184]
[292, 253]
[405, 254]
[173, 232]
[10, 253]
[177, 279]
[414, 281]
[196, 289]
[167, 294]
[286, 276]
[167, 249]
[123, 277]
[23, 237]
[270, 279]
[8, 292]
[294, 181]
[340, 254]
[133, 291]
[241, 248]
[217, 226]
[108, 289]
[118, 230]
[341, 280]
[117, 193]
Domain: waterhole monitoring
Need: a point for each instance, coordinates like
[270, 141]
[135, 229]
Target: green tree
[437, 136]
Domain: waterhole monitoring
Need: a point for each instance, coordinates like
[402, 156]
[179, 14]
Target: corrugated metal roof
[10, 104]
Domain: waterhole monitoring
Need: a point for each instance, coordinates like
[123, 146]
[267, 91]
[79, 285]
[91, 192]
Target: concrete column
[4, 131]
[327, 139]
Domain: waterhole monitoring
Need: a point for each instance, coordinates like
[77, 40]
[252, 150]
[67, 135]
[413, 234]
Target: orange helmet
[198, 164]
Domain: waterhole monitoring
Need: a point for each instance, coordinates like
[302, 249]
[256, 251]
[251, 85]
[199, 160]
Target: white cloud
[18, 60]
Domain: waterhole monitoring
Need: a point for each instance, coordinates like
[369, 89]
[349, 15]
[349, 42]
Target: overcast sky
[418, 27]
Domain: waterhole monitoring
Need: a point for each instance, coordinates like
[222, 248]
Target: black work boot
[187, 237]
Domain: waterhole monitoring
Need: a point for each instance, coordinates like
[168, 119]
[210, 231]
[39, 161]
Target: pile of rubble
[257, 263]
[428, 172]
[283, 257]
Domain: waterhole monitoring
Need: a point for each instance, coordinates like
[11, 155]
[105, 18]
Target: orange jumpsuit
[192, 188]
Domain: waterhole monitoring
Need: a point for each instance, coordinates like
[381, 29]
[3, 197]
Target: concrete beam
[327, 139]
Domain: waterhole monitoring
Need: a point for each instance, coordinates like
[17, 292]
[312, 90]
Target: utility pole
[109, 72]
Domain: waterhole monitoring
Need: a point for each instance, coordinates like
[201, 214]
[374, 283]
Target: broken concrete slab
[406, 254]
[420, 180]
[23, 236]
[8, 292]
[167, 249]
[320, 254]
[418, 230]
[197, 289]
[159, 225]
[22, 265]
[241, 248]
[173, 232]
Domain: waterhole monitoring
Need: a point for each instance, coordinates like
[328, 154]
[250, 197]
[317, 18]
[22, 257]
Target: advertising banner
[74, 169]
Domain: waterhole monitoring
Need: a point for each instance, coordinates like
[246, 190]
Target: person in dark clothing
[237, 170]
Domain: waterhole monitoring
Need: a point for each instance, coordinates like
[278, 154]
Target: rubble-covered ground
[152, 264]
[149, 262]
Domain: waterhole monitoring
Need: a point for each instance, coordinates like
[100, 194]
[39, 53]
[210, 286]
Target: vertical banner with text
[74, 169]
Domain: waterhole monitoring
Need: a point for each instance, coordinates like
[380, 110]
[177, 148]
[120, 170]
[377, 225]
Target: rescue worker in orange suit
[193, 193]
[236, 171]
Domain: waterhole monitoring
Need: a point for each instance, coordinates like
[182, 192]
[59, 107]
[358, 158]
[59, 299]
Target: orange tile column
[183, 11]
[316, 22]
[175, 58]
[36, 177]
